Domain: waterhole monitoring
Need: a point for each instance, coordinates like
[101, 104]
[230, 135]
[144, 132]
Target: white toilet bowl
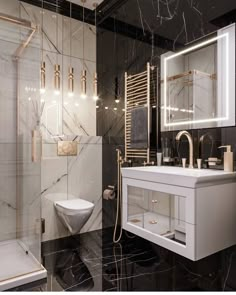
[74, 213]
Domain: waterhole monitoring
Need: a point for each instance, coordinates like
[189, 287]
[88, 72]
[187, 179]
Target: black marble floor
[91, 262]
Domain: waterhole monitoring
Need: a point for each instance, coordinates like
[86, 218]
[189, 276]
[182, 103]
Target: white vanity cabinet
[190, 212]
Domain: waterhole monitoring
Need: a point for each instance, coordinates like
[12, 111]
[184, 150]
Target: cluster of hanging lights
[57, 68]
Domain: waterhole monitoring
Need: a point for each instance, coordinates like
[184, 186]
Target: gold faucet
[190, 140]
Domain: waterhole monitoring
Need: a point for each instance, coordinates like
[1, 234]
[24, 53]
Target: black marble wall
[139, 32]
[115, 54]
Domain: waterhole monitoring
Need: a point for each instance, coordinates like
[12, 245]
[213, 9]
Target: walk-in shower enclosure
[20, 168]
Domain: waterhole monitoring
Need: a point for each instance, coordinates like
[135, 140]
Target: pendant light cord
[42, 19]
[96, 31]
[83, 38]
[70, 31]
[57, 24]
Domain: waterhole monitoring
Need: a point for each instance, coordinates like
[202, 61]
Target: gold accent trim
[71, 80]
[57, 77]
[67, 148]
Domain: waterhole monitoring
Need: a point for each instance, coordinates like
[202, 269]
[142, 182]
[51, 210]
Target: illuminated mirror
[198, 84]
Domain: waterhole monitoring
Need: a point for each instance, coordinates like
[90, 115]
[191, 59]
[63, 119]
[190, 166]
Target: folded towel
[139, 128]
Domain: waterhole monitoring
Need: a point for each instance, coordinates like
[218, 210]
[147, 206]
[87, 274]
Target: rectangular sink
[179, 176]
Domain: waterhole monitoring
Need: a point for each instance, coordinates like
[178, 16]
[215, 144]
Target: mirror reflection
[198, 84]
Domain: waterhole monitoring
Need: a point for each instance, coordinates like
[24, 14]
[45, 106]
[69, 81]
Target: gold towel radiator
[140, 91]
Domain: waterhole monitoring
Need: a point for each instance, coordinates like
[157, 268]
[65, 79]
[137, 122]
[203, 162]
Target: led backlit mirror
[198, 84]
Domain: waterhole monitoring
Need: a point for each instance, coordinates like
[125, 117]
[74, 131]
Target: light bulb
[70, 94]
[117, 100]
[57, 92]
[83, 96]
[42, 90]
[95, 97]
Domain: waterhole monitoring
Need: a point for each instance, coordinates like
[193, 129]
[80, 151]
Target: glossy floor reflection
[91, 262]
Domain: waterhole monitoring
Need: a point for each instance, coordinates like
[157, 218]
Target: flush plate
[67, 148]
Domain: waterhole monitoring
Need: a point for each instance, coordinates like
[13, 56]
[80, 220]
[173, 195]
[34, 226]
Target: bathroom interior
[117, 145]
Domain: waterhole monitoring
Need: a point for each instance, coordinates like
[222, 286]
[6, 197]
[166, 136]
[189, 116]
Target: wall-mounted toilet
[74, 213]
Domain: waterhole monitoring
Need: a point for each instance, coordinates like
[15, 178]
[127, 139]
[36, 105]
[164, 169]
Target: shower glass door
[20, 158]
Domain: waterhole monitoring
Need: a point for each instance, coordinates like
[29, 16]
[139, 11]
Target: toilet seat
[73, 206]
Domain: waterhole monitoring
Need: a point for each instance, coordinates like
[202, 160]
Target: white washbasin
[178, 176]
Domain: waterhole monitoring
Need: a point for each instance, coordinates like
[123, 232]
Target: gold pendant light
[71, 82]
[83, 85]
[83, 74]
[117, 94]
[57, 79]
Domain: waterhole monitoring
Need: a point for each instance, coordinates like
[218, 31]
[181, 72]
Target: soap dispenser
[228, 159]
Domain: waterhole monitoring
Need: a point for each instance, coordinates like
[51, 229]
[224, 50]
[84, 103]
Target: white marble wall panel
[63, 114]
[79, 176]
[54, 188]
[85, 178]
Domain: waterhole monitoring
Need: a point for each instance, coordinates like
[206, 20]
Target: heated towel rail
[141, 90]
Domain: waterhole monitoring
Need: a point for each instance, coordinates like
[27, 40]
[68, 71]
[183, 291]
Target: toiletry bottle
[228, 159]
